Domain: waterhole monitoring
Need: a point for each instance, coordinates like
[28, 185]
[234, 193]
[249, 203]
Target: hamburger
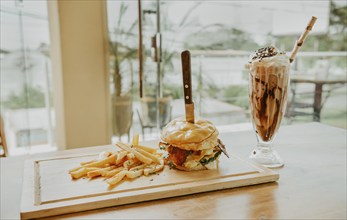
[191, 146]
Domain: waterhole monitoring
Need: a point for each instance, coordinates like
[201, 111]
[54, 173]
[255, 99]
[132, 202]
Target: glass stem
[265, 146]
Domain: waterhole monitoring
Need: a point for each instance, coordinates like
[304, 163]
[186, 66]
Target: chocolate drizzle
[268, 100]
[267, 134]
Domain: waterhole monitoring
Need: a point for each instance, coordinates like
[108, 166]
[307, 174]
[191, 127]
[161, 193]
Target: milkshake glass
[268, 87]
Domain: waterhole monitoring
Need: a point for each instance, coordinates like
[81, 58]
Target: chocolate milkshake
[268, 85]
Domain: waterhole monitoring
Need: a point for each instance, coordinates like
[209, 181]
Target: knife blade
[187, 86]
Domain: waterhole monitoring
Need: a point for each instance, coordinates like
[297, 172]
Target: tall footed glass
[268, 86]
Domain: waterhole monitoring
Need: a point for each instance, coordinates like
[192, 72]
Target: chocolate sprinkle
[265, 52]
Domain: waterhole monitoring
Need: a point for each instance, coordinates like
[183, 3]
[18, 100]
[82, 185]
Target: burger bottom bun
[194, 165]
[209, 166]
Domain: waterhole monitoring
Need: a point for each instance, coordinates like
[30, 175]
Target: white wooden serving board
[49, 190]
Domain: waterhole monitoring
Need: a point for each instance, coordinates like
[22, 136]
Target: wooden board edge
[30, 210]
[28, 190]
[150, 194]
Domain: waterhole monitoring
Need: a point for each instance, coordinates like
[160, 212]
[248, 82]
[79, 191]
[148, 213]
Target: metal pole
[140, 49]
[25, 70]
[200, 85]
[159, 42]
[159, 77]
[48, 104]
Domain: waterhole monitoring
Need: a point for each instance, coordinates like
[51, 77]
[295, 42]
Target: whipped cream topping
[269, 56]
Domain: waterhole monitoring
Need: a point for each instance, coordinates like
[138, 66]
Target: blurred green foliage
[334, 40]
[237, 95]
[29, 97]
[175, 91]
[221, 38]
[121, 52]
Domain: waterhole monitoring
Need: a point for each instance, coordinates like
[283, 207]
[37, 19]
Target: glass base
[266, 157]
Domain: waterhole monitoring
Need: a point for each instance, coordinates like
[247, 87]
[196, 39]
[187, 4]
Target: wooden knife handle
[187, 78]
[187, 86]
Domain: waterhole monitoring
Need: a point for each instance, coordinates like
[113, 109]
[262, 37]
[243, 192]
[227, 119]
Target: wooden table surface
[312, 184]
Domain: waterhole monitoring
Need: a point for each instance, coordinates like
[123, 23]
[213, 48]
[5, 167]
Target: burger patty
[177, 156]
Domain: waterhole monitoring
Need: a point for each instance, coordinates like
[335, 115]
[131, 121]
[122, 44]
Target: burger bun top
[201, 135]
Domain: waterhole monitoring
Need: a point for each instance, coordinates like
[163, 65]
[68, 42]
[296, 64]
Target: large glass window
[26, 91]
[221, 35]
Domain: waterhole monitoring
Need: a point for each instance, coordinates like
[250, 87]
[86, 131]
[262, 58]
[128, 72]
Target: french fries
[87, 162]
[100, 163]
[79, 173]
[130, 162]
[116, 178]
[99, 172]
[134, 173]
[121, 157]
[74, 169]
[113, 172]
[103, 155]
[154, 168]
[148, 149]
[136, 140]
[149, 155]
[137, 154]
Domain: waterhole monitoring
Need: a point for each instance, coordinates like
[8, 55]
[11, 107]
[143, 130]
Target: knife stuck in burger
[191, 144]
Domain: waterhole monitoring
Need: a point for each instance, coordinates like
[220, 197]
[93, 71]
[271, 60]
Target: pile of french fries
[131, 161]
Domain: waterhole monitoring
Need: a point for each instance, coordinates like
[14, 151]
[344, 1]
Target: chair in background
[304, 90]
[3, 144]
[314, 100]
[301, 103]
